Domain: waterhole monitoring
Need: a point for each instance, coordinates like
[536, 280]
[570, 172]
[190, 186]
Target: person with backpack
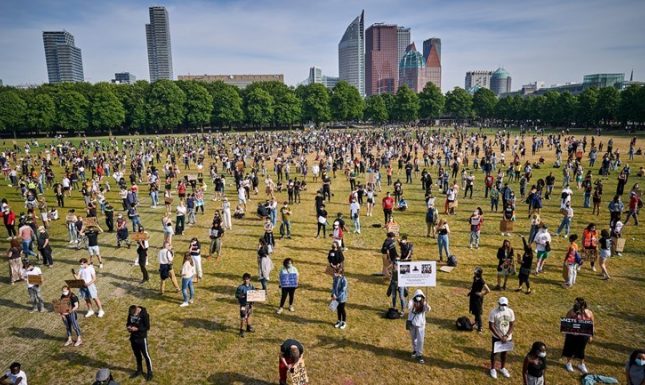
[339, 293]
[416, 323]
[635, 368]
[475, 221]
[432, 216]
[590, 244]
[287, 268]
[478, 290]
[571, 262]
[534, 367]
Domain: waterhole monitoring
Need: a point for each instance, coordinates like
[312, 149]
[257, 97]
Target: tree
[567, 107]
[165, 105]
[535, 108]
[258, 107]
[550, 109]
[586, 111]
[628, 109]
[376, 110]
[287, 107]
[41, 112]
[315, 103]
[484, 101]
[608, 102]
[227, 104]
[407, 105]
[198, 105]
[346, 102]
[459, 104]
[12, 111]
[72, 110]
[431, 102]
[133, 99]
[504, 109]
[107, 110]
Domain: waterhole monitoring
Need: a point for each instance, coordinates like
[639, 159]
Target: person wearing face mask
[406, 248]
[287, 268]
[635, 368]
[575, 345]
[477, 292]
[138, 324]
[89, 291]
[416, 323]
[534, 366]
[501, 322]
[34, 289]
[70, 319]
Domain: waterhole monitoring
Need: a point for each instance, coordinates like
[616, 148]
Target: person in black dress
[525, 267]
[477, 292]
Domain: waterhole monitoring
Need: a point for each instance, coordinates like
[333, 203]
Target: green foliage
[199, 103]
[431, 102]
[41, 112]
[315, 103]
[165, 105]
[390, 105]
[484, 101]
[106, 109]
[12, 111]
[287, 107]
[459, 103]
[227, 104]
[346, 103]
[407, 105]
[376, 110]
[72, 110]
[608, 102]
[567, 107]
[133, 99]
[586, 111]
[258, 105]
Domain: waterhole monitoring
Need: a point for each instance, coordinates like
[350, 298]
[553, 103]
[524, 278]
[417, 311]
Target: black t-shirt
[141, 321]
[335, 257]
[92, 237]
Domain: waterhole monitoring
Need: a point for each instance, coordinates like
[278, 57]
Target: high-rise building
[500, 81]
[381, 64]
[316, 76]
[124, 78]
[477, 79]
[351, 54]
[412, 69]
[158, 39]
[64, 61]
[404, 39]
[432, 58]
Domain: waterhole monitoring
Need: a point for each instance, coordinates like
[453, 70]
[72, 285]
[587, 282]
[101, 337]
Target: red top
[388, 203]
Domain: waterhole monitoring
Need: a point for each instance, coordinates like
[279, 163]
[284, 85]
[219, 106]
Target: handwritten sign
[256, 296]
[34, 279]
[90, 222]
[289, 280]
[62, 306]
[505, 226]
[144, 236]
[500, 346]
[299, 374]
[75, 283]
[576, 327]
[415, 274]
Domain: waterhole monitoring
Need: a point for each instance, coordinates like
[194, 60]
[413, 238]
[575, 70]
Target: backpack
[463, 323]
[392, 313]
[452, 260]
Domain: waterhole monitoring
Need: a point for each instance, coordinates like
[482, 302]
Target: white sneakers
[101, 313]
[279, 311]
[183, 304]
[291, 308]
[493, 373]
[568, 366]
[583, 368]
[89, 313]
[337, 325]
[504, 371]
[343, 325]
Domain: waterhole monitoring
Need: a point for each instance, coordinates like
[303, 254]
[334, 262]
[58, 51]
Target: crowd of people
[180, 171]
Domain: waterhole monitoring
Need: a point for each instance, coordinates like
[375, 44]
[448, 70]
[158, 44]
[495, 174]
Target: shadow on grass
[200, 323]
[4, 302]
[223, 378]
[32, 333]
[88, 361]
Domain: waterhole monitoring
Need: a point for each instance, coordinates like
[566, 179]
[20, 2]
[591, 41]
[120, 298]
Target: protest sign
[415, 274]
[256, 296]
[576, 327]
[62, 306]
[90, 222]
[392, 227]
[140, 236]
[34, 279]
[289, 280]
[503, 346]
[298, 376]
[75, 283]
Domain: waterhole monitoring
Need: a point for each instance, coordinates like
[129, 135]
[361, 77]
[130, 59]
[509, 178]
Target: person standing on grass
[285, 215]
[215, 234]
[166, 271]
[635, 203]
[246, 307]
[476, 220]
[92, 233]
[187, 274]
[71, 319]
[339, 293]
[505, 265]
[395, 290]
[89, 291]
[287, 268]
[605, 252]
[567, 217]
[226, 214]
[335, 257]
[354, 210]
[138, 324]
[526, 261]
[575, 345]
[195, 253]
[180, 218]
[44, 246]
[443, 239]
[265, 265]
[543, 246]
[416, 323]
[534, 367]
[291, 352]
[590, 244]
[501, 322]
[142, 254]
[570, 264]
[38, 304]
[494, 198]
[322, 221]
[477, 292]
[388, 205]
[635, 368]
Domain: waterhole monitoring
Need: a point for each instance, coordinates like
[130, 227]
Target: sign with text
[89, 222]
[576, 327]
[416, 274]
[298, 376]
[62, 306]
[140, 236]
[256, 296]
[34, 279]
[289, 280]
[393, 227]
[75, 283]
[503, 346]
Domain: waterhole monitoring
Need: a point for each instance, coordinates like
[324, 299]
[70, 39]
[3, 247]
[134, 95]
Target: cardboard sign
[387, 267]
[62, 306]
[505, 226]
[289, 280]
[576, 327]
[416, 274]
[256, 296]
[500, 346]
[620, 244]
[192, 177]
[392, 227]
[144, 236]
[299, 374]
[447, 269]
[33, 279]
[89, 222]
[75, 283]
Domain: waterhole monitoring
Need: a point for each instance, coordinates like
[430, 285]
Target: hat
[503, 301]
[103, 374]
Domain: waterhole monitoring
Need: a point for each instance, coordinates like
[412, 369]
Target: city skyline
[159, 45]
[547, 41]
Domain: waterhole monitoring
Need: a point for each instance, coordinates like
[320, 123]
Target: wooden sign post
[298, 376]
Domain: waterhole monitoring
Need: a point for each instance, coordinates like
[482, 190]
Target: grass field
[199, 344]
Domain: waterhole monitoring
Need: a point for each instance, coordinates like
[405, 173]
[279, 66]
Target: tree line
[167, 105]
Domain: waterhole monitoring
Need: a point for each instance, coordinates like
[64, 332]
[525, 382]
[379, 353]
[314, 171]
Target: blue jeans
[443, 242]
[357, 224]
[586, 203]
[474, 238]
[187, 287]
[401, 293]
[564, 225]
[154, 196]
[25, 248]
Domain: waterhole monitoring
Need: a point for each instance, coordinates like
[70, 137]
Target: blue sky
[549, 40]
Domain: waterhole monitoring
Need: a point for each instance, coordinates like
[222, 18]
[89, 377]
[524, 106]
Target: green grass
[200, 345]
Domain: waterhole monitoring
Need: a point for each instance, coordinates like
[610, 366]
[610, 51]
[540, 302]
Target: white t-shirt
[86, 273]
[451, 194]
[165, 257]
[501, 317]
[541, 238]
[14, 377]
[354, 208]
[35, 271]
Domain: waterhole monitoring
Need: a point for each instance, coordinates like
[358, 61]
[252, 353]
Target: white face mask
[65, 292]
[542, 354]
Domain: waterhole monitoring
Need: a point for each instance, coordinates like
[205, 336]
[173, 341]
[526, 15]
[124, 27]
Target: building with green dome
[500, 81]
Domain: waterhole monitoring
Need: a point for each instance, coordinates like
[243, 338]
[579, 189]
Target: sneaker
[343, 325]
[583, 368]
[69, 342]
[136, 374]
[250, 329]
[420, 360]
[89, 313]
[242, 333]
[505, 372]
[101, 265]
[569, 367]
[78, 342]
[493, 373]
[291, 308]
[191, 301]
[414, 354]
[149, 376]
[33, 310]
[279, 311]
[43, 310]
[593, 268]
[101, 313]
[337, 324]
[183, 304]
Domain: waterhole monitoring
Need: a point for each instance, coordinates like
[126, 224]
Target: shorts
[542, 254]
[88, 292]
[604, 253]
[246, 311]
[93, 250]
[241, 200]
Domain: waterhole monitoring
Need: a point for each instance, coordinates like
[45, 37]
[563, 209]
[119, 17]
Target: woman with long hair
[504, 263]
[187, 274]
[534, 366]
[15, 264]
[575, 345]
[287, 268]
[443, 240]
[635, 368]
